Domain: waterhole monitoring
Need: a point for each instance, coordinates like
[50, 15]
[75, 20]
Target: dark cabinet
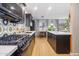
[28, 19]
[52, 40]
[42, 33]
[32, 25]
[63, 44]
[60, 43]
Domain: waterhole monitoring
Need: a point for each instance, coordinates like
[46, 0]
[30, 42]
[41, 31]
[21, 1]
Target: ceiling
[48, 10]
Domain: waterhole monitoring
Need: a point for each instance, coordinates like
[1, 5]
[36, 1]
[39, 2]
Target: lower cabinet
[52, 40]
[63, 44]
[60, 43]
[29, 49]
[42, 33]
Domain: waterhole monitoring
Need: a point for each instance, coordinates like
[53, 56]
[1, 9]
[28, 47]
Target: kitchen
[35, 29]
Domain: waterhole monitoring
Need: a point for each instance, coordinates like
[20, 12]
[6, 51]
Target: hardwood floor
[42, 48]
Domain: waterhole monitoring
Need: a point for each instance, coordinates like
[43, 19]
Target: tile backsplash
[10, 28]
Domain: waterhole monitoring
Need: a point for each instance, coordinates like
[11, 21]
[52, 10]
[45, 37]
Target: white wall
[74, 19]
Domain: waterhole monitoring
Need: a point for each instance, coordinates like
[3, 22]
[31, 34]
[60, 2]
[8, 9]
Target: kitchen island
[60, 41]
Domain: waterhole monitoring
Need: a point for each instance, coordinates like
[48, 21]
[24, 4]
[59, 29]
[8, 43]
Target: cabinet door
[28, 19]
[49, 36]
[50, 39]
[63, 44]
[32, 25]
[54, 41]
[29, 49]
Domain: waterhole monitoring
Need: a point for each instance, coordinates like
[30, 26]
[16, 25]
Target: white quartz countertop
[30, 32]
[59, 33]
[7, 50]
[27, 33]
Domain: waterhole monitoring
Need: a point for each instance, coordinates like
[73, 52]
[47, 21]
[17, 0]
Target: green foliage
[51, 27]
[66, 25]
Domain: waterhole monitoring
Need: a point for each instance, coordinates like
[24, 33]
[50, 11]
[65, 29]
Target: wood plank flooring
[42, 48]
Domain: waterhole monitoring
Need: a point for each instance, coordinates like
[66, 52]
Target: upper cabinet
[28, 19]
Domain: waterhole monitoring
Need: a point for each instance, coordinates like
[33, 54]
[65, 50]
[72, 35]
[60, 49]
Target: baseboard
[74, 54]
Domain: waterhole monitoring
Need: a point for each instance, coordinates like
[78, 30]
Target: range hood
[5, 13]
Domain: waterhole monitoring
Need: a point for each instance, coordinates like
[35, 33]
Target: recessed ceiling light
[26, 12]
[12, 8]
[49, 8]
[35, 8]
